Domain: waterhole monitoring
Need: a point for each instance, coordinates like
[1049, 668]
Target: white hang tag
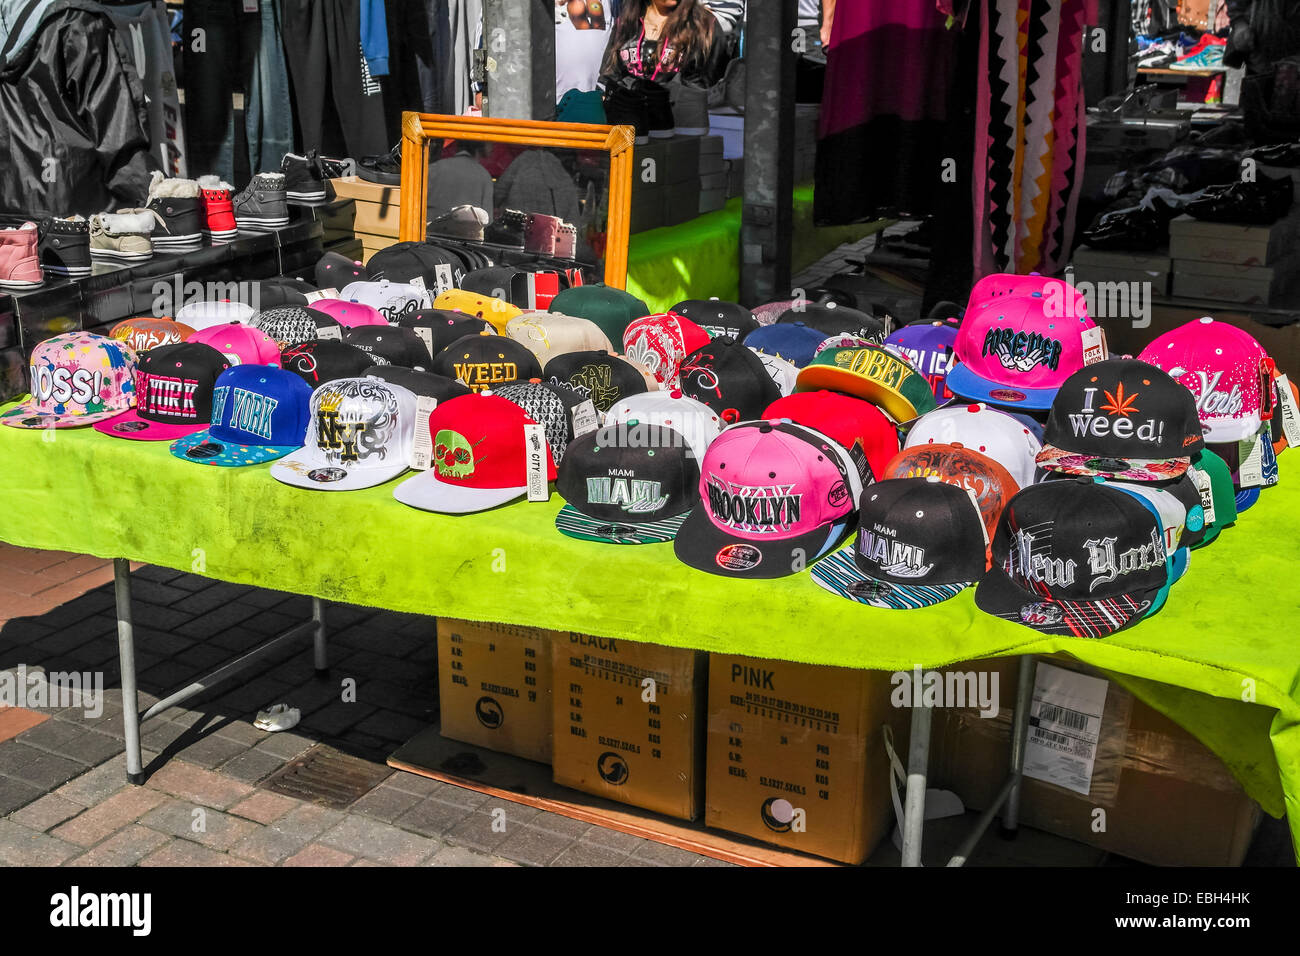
[535, 448]
[1094, 345]
[983, 527]
[1251, 453]
[442, 275]
[330, 293]
[1204, 486]
[426, 336]
[585, 419]
[1290, 413]
[418, 282]
[330, 332]
[422, 446]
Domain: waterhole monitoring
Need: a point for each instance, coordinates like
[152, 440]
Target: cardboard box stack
[675, 179]
[373, 217]
[1250, 265]
[1096, 266]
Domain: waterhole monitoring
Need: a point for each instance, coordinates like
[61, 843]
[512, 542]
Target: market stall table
[1221, 659]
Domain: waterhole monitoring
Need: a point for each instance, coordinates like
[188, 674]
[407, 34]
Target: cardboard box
[494, 686]
[1224, 242]
[683, 159]
[731, 128]
[629, 722]
[646, 213]
[1228, 282]
[712, 200]
[681, 202]
[796, 755]
[1166, 799]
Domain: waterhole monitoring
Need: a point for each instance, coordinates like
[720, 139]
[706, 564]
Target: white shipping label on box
[422, 446]
[1064, 726]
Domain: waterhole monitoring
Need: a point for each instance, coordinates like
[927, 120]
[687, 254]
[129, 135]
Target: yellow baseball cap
[490, 309]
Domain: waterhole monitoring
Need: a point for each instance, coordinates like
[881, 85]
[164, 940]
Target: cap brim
[298, 468]
[130, 425]
[202, 449]
[575, 524]
[965, 383]
[1246, 498]
[839, 573]
[813, 377]
[703, 546]
[1222, 431]
[27, 415]
[427, 493]
[1139, 469]
[998, 595]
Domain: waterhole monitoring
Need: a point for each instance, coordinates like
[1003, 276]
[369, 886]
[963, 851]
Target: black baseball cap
[404, 261]
[443, 327]
[486, 361]
[603, 377]
[390, 345]
[280, 291]
[622, 489]
[920, 541]
[835, 320]
[295, 324]
[1122, 418]
[503, 282]
[325, 360]
[334, 271]
[173, 393]
[551, 406]
[421, 384]
[730, 379]
[720, 319]
[1076, 558]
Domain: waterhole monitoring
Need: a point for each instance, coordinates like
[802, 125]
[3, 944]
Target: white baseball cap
[204, 315]
[783, 373]
[548, 334]
[991, 433]
[392, 300]
[693, 420]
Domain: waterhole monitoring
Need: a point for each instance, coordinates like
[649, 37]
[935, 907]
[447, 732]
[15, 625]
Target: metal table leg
[319, 655]
[918, 759]
[126, 659]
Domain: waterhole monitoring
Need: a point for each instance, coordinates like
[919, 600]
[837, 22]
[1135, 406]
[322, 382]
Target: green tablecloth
[1222, 659]
[701, 257]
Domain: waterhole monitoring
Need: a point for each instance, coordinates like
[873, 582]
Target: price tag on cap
[418, 282]
[330, 293]
[535, 448]
[426, 336]
[1251, 454]
[334, 332]
[1094, 345]
[585, 418]
[1290, 412]
[1204, 486]
[422, 446]
[442, 276]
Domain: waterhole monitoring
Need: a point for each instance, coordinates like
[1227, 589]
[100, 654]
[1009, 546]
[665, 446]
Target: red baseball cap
[843, 418]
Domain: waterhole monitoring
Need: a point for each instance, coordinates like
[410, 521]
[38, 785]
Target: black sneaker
[508, 230]
[623, 107]
[1259, 203]
[337, 168]
[178, 214]
[263, 202]
[303, 177]
[385, 170]
[64, 246]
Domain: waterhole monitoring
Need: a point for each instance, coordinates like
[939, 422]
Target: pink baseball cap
[78, 378]
[1018, 350]
[1003, 285]
[775, 497]
[240, 344]
[349, 314]
[1226, 370]
[660, 342]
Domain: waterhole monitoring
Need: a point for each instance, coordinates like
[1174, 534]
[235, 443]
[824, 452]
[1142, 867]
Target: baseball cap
[795, 343]
[611, 309]
[390, 345]
[729, 378]
[784, 374]
[275, 292]
[173, 393]
[421, 384]
[438, 328]
[929, 347]
[718, 318]
[548, 334]
[1004, 285]
[698, 424]
[1168, 512]
[1019, 350]
[1227, 372]
[1238, 454]
[843, 340]
[389, 299]
[519, 286]
[1122, 418]
[144, 333]
[486, 361]
[1213, 481]
[982, 429]
[1049, 572]
[660, 342]
[77, 378]
[920, 541]
[774, 497]
[437, 267]
[325, 361]
[480, 457]
[832, 319]
[603, 377]
[1178, 504]
[359, 435]
[334, 271]
[496, 312]
[554, 407]
[240, 344]
[625, 490]
[259, 413]
[295, 324]
[845, 418]
[991, 486]
[883, 379]
[201, 315]
[349, 314]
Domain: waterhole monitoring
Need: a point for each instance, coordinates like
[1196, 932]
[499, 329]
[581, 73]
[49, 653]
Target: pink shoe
[539, 233]
[20, 264]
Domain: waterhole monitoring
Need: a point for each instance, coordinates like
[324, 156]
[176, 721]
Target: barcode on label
[1063, 716]
[1042, 734]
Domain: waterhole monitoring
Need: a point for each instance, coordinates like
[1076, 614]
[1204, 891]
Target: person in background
[659, 40]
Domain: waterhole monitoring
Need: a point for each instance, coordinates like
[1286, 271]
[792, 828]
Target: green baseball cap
[890, 383]
[611, 309]
[1210, 468]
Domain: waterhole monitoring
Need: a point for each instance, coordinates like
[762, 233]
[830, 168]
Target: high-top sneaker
[65, 246]
[20, 265]
[566, 241]
[304, 179]
[508, 230]
[123, 236]
[335, 168]
[178, 212]
[461, 222]
[263, 202]
[218, 210]
[539, 233]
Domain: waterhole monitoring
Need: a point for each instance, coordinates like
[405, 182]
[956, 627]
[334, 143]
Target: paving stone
[202, 657]
[390, 725]
[238, 730]
[288, 835]
[337, 718]
[216, 594]
[317, 854]
[462, 856]
[285, 744]
[153, 572]
[384, 803]
[167, 675]
[164, 619]
[362, 836]
[216, 625]
[408, 782]
[534, 847]
[270, 623]
[459, 796]
[586, 854]
[710, 861]
[124, 848]
[203, 825]
[40, 769]
[16, 793]
[189, 782]
[476, 832]
[433, 817]
[96, 823]
[211, 751]
[252, 766]
[178, 852]
[23, 846]
[612, 839]
[146, 590]
[95, 785]
[559, 824]
[661, 854]
[263, 806]
[46, 812]
[74, 741]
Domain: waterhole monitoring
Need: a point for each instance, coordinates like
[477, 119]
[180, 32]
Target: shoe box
[675, 179]
[1277, 285]
[1249, 265]
[1143, 132]
[1097, 266]
[796, 755]
[713, 175]
[1101, 768]
[730, 127]
[494, 686]
[374, 215]
[629, 722]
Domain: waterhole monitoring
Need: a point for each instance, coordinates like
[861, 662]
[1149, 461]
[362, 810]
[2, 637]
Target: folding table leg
[319, 652]
[1019, 735]
[126, 661]
[918, 759]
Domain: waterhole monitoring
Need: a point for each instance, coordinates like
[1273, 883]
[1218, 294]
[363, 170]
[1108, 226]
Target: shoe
[690, 109]
[385, 170]
[623, 107]
[1132, 230]
[539, 233]
[1157, 56]
[337, 168]
[263, 202]
[461, 222]
[509, 230]
[122, 236]
[566, 241]
[1260, 203]
[304, 179]
[1204, 42]
[65, 246]
[1279, 154]
[218, 210]
[1209, 58]
[178, 212]
[20, 263]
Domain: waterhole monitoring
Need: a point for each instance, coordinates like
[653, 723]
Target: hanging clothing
[146, 28]
[538, 182]
[464, 36]
[73, 124]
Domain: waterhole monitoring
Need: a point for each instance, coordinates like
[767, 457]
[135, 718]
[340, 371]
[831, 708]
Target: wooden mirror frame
[419, 128]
